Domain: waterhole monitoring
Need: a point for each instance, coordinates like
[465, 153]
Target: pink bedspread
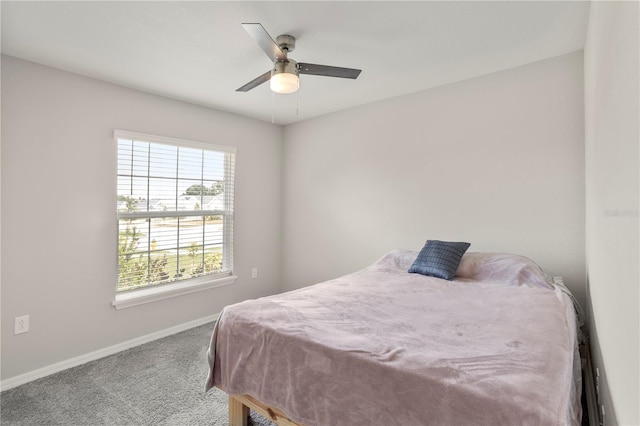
[385, 347]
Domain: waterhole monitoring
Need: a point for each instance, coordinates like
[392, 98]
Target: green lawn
[166, 266]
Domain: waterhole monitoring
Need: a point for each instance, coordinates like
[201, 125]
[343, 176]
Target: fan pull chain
[273, 107]
[298, 101]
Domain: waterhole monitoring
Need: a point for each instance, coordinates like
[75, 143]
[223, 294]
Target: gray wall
[58, 211]
[497, 161]
[612, 115]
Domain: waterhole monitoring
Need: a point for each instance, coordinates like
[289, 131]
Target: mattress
[496, 345]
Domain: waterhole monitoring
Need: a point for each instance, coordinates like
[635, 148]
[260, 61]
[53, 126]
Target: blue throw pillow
[439, 259]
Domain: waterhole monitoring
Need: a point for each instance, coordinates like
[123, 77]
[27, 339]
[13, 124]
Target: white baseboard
[21, 379]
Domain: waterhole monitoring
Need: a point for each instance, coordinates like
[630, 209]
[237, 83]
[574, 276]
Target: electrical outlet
[254, 273]
[21, 324]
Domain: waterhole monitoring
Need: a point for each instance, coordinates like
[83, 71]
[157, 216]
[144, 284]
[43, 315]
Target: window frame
[154, 292]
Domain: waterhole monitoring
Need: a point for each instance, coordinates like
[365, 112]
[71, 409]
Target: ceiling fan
[285, 73]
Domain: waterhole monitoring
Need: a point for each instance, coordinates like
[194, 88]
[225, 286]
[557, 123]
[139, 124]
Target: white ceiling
[198, 52]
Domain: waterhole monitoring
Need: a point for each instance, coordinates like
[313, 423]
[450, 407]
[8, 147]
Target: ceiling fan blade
[264, 40]
[255, 82]
[328, 71]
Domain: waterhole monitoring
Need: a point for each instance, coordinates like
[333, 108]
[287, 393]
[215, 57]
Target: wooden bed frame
[239, 406]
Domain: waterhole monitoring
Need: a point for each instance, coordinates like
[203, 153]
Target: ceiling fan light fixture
[285, 83]
[284, 77]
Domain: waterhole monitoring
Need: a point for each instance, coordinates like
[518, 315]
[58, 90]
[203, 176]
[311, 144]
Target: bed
[497, 344]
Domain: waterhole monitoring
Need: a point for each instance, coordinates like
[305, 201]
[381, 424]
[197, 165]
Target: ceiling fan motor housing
[288, 67]
[286, 42]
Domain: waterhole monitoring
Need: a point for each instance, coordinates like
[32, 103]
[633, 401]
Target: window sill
[153, 294]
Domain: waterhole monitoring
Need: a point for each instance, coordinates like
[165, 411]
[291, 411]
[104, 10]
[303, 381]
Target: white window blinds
[174, 209]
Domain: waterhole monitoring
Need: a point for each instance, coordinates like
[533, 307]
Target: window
[175, 211]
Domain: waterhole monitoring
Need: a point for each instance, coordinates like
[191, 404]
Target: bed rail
[239, 406]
